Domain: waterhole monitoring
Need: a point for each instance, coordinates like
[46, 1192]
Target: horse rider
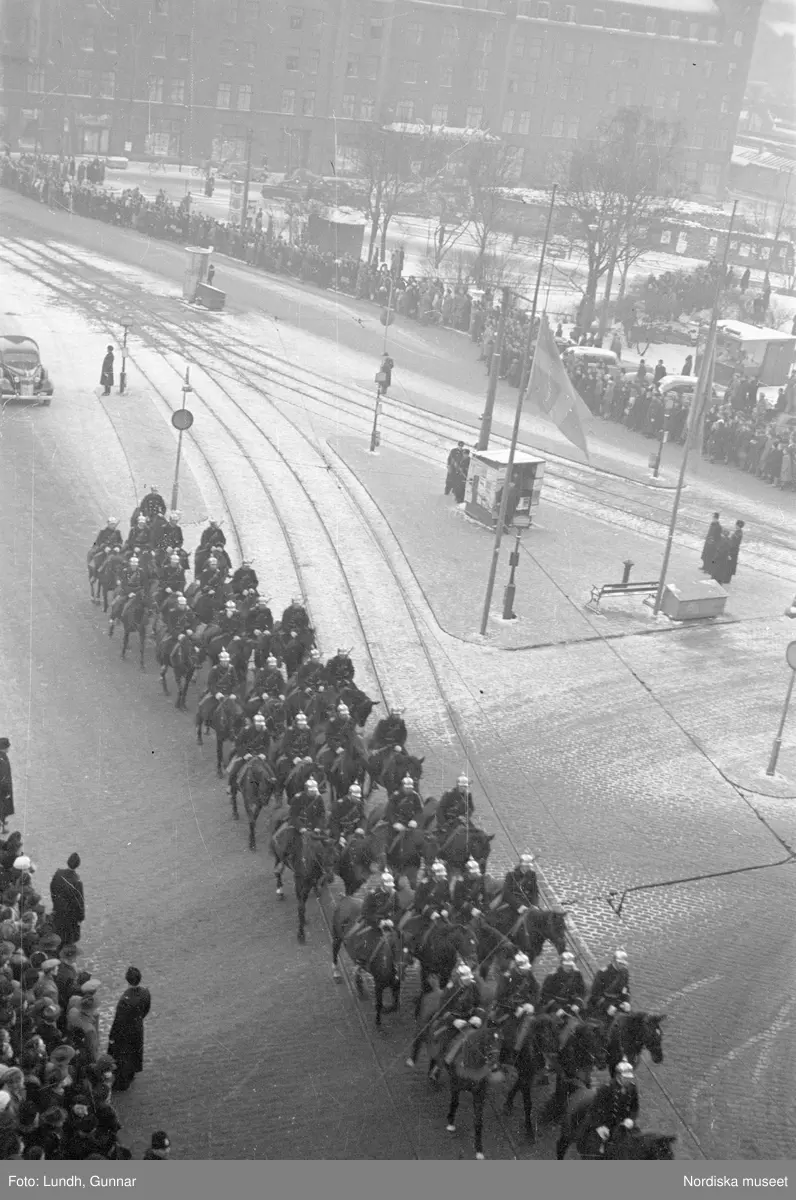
[139, 534]
[132, 579]
[108, 537]
[253, 739]
[244, 579]
[404, 806]
[172, 577]
[610, 989]
[259, 618]
[222, 681]
[312, 671]
[210, 577]
[454, 806]
[390, 731]
[229, 620]
[432, 900]
[213, 535]
[380, 908]
[297, 742]
[295, 618]
[468, 893]
[153, 505]
[340, 670]
[173, 531]
[461, 1002]
[307, 810]
[340, 729]
[517, 991]
[348, 814]
[269, 678]
[179, 617]
[521, 887]
[563, 991]
[615, 1105]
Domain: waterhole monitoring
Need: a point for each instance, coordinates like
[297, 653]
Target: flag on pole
[551, 388]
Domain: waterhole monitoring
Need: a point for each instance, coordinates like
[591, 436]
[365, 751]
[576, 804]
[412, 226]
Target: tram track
[315, 485]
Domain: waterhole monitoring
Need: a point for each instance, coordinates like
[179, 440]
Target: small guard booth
[486, 479]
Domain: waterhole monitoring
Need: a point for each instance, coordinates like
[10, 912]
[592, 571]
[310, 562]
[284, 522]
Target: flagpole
[699, 402]
[504, 502]
[525, 369]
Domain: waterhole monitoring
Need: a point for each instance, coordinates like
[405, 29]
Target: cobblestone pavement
[580, 755]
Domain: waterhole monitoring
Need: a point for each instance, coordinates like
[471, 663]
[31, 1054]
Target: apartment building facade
[188, 79]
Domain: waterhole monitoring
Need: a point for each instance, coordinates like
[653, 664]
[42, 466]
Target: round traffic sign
[182, 418]
[386, 318]
[790, 655]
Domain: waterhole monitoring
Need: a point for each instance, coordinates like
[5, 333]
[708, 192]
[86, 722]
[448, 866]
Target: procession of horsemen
[295, 725]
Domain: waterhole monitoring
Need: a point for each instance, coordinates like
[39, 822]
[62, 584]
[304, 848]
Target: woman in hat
[6, 785]
[126, 1038]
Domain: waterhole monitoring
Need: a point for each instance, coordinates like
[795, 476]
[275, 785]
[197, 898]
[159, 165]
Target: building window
[513, 85]
[109, 41]
[414, 33]
[674, 29]
[35, 81]
[711, 175]
[535, 47]
[308, 104]
[348, 104]
[722, 139]
[446, 77]
[313, 61]
[367, 108]
[449, 37]
[725, 104]
[524, 8]
[568, 53]
[713, 244]
[232, 12]
[107, 85]
[701, 99]
[666, 237]
[525, 123]
[674, 100]
[252, 10]
[159, 47]
[583, 56]
[557, 127]
[697, 139]
[410, 71]
[652, 25]
[573, 125]
[405, 110]
[484, 43]
[473, 117]
[372, 67]
[713, 34]
[693, 31]
[227, 51]
[161, 8]
[543, 10]
[352, 67]
[481, 79]
[660, 100]
[765, 253]
[377, 29]
[737, 39]
[599, 16]
[296, 18]
[292, 60]
[155, 88]
[625, 97]
[624, 21]
[289, 101]
[223, 95]
[666, 66]
[708, 69]
[569, 13]
[519, 47]
[87, 40]
[439, 114]
[508, 121]
[245, 97]
[182, 45]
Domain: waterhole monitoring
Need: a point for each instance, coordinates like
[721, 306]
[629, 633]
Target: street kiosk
[485, 481]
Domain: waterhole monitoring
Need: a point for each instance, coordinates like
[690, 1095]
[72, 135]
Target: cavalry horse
[462, 842]
[578, 1129]
[629, 1034]
[582, 1050]
[530, 1045]
[226, 721]
[310, 858]
[134, 616]
[472, 1061]
[403, 852]
[182, 655]
[342, 770]
[107, 577]
[530, 930]
[387, 767]
[355, 861]
[437, 950]
[379, 954]
[257, 783]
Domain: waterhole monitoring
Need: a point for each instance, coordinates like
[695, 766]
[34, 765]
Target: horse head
[557, 928]
[652, 1034]
[544, 1037]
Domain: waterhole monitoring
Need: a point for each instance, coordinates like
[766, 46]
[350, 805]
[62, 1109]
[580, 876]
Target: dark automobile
[22, 375]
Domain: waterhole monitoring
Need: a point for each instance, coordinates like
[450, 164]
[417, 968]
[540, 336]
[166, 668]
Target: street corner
[748, 771]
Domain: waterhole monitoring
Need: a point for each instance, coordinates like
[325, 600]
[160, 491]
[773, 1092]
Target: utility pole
[494, 368]
[247, 180]
[697, 409]
[381, 385]
[181, 420]
[525, 373]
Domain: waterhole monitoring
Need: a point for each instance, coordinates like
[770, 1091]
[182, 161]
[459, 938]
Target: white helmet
[134, 561]
[408, 782]
[567, 959]
[438, 868]
[212, 561]
[174, 516]
[526, 860]
[270, 661]
[224, 656]
[141, 519]
[230, 605]
[387, 880]
[113, 521]
[312, 784]
[462, 781]
[355, 790]
[259, 719]
[473, 867]
[522, 962]
[623, 1067]
[342, 710]
[301, 718]
[620, 956]
[181, 601]
[174, 560]
[464, 973]
[315, 654]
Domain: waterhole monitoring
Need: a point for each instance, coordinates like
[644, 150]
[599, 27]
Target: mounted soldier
[269, 678]
[517, 993]
[455, 805]
[210, 577]
[306, 811]
[153, 505]
[616, 1105]
[468, 893]
[259, 618]
[404, 806]
[139, 534]
[312, 672]
[461, 1004]
[253, 739]
[173, 532]
[222, 681]
[108, 537]
[564, 991]
[172, 577]
[340, 670]
[244, 579]
[229, 621]
[390, 731]
[520, 887]
[432, 900]
[212, 535]
[132, 578]
[348, 814]
[179, 617]
[610, 989]
[340, 730]
[297, 742]
[295, 618]
[380, 908]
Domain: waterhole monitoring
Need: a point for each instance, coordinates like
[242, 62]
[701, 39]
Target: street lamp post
[790, 658]
[127, 323]
[656, 464]
[381, 387]
[511, 588]
[181, 420]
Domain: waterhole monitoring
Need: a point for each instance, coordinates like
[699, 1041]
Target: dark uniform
[612, 1105]
[339, 731]
[297, 742]
[109, 536]
[249, 741]
[563, 989]
[173, 536]
[132, 579]
[348, 814]
[153, 505]
[609, 989]
[514, 988]
[230, 623]
[259, 617]
[307, 811]
[340, 670]
[433, 895]
[311, 673]
[222, 678]
[454, 805]
[138, 536]
[467, 893]
[460, 1003]
[390, 731]
[270, 680]
[295, 619]
[173, 577]
[379, 905]
[520, 889]
[212, 536]
[403, 807]
[244, 579]
[178, 620]
[210, 577]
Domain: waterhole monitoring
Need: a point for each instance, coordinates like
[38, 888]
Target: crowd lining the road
[740, 430]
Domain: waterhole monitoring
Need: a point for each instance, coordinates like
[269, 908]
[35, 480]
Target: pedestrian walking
[106, 375]
[659, 372]
[6, 785]
[460, 478]
[688, 365]
[69, 907]
[711, 543]
[126, 1038]
[159, 1148]
[211, 274]
[720, 563]
[454, 459]
[735, 539]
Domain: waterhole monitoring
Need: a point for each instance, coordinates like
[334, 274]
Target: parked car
[591, 356]
[22, 375]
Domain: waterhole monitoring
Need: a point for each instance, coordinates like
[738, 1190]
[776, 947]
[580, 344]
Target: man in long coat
[735, 539]
[711, 543]
[126, 1038]
[69, 908]
[106, 375]
[7, 785]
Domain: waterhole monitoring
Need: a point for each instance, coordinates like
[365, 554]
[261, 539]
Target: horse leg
[125, 641]
[163, 671]
[233, 799]
[302, 915]
[252, 823]
[378, 991]
[417, 1044]
[199, 727]
[453, 1107]
[562, 1145]
[142, 641]
[524, 1084]
[278, 869]
[337, 942]
[219, 756]
[479, 1099]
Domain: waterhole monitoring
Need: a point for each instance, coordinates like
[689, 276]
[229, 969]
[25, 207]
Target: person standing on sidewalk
[454, 459]
[126, 1038]
[106, 375]
[69, 906]
[735, 539]
[6, 785]
[711, 543]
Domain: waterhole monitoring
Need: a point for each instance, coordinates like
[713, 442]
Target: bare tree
[614, 184]
[490, 168]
